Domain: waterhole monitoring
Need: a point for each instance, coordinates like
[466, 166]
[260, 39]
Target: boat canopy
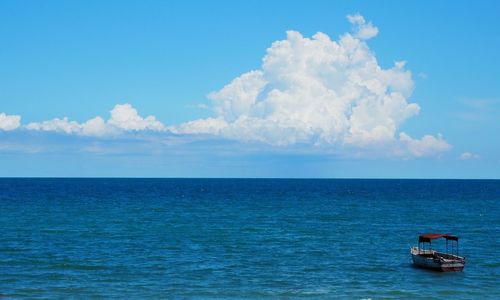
[426, 238]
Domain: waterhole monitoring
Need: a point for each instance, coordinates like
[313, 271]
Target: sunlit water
[224, 238]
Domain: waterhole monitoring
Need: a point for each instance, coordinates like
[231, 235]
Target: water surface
[243, 238]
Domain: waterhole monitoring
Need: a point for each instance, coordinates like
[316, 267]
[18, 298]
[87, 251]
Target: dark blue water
[224, 238]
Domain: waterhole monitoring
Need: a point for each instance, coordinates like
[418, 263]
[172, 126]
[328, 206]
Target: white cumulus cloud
[318, 91]
[308, 91]
[123, 118]
[362, 29]
[61, 125]
[467, 156]
[9, 122]
[426, 146]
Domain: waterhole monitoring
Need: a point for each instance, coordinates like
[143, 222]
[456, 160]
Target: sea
[243, 238]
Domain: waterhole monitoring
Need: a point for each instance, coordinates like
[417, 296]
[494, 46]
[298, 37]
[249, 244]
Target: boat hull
[431, 260]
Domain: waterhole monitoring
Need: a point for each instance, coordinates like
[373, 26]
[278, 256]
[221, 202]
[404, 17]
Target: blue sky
[172, 59]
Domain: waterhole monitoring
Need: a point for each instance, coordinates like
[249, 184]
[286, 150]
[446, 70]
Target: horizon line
[243, 178]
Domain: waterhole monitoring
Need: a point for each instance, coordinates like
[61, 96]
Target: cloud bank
[319, 91]
[309, 91]
[124, 118]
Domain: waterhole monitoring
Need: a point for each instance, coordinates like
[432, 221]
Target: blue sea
[243, 238]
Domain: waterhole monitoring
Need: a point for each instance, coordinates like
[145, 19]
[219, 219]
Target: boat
[426, 257]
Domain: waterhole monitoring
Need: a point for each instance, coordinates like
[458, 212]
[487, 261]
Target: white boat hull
[431, 259]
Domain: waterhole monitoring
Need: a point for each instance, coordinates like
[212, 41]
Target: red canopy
[426, 238]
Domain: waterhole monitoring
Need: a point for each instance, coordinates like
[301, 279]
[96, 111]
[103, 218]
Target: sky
[301, 89]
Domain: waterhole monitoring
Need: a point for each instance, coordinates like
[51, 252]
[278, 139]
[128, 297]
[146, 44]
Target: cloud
[124, 118]
[422, 75]
[428, 145]
[318, 91]
[61, 125]
[362, 30]
[9, 122]
[468, 156]
[210, 126]
[332, 94]
[465, 156]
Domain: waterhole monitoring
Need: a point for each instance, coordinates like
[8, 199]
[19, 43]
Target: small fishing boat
[426, 257]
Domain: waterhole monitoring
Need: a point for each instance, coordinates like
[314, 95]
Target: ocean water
[243, 238]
